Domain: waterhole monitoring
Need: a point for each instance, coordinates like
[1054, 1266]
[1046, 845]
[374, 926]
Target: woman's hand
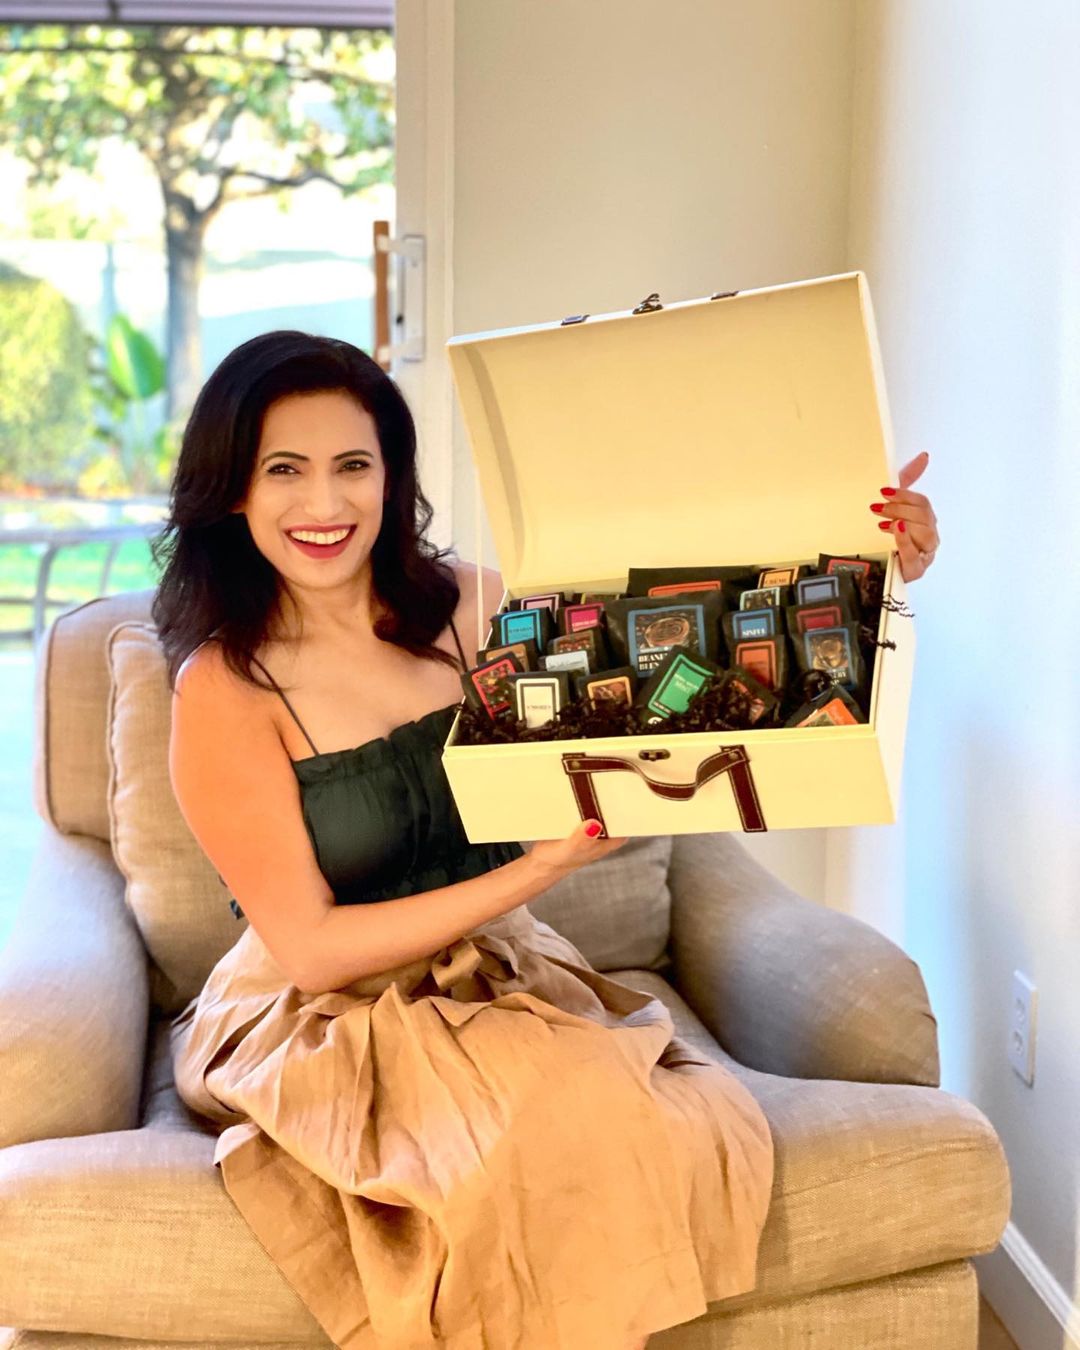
[560, 857]
[911, 519]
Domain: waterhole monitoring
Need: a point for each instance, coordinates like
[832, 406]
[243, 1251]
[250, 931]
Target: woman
[425, 1116]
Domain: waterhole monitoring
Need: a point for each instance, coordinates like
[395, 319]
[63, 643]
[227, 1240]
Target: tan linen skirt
[491, 1148]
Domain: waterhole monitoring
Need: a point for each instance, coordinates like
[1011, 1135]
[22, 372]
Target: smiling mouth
[314, 547]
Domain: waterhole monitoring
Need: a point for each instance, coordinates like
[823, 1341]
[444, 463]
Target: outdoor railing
[55, 538]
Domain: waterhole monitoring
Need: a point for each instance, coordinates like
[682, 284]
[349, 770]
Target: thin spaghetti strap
[461, 649]
[286, 702]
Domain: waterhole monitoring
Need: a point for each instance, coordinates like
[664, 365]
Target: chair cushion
[616, 911]
[871, 1180]
[172, 889]
[71, 694]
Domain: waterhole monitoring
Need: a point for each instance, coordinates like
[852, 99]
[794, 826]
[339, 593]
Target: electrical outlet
[1022, 1027]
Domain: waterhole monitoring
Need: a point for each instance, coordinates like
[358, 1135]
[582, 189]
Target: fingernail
[592, 829]
[901, 526]
[888, 492]
[877, 506]
[884, 524]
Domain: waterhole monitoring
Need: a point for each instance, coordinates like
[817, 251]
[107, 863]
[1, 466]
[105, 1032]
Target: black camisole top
[381, 817]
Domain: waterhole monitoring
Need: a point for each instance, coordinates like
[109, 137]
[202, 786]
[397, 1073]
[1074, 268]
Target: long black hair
[215, 582]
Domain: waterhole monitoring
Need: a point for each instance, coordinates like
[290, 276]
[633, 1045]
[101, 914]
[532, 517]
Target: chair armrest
[788, 986]
[74, 998]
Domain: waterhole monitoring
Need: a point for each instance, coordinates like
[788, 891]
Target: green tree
[221, 114]
[46, 401]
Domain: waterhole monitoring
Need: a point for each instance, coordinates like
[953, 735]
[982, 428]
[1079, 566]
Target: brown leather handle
[731, 760]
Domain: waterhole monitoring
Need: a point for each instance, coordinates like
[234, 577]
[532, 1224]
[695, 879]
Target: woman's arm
[354, 941]
[237, 790]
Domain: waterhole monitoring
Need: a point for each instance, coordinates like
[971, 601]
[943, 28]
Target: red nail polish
[901, 526]
[877, 506]
[592, 829]
[884, 524]
[888, 492]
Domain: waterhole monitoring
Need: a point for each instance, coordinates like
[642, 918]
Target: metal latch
[573, 318]
[406, 330]
[650, 303]
[723, 295]
[654, 754]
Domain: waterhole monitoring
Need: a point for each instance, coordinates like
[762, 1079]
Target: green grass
[75, 576]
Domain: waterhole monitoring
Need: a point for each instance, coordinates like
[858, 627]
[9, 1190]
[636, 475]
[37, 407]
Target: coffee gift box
[749, 428]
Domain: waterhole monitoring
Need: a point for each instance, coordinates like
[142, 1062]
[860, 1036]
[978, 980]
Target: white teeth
[311, 537]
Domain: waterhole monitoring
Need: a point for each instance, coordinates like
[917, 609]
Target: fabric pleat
[492, 1148]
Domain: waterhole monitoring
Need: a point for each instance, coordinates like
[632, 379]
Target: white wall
[610, 149]
[965, 214]
[606, 150]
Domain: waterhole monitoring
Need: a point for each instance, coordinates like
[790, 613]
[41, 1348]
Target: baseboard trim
[1033, 1307]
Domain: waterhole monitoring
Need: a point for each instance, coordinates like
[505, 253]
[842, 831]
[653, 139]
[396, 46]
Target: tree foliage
[221, 115]
[46, 401]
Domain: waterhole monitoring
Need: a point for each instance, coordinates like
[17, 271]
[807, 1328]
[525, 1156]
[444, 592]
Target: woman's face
[318, 465]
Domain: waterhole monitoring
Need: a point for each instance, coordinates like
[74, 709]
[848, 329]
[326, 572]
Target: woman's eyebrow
[291, 454]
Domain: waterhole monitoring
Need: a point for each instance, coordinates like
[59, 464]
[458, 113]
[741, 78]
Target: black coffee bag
[835, 651]
[674, 685]
[642, 630]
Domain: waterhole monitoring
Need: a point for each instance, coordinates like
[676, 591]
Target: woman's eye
[349, 464]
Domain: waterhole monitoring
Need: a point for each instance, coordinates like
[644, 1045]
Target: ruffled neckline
[378, 746]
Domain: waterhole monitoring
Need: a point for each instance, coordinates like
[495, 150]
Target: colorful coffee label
[779, 576]
[610, 689]
[829, 649]
[526, 653]
[759, 658]
[754, 623]
[488, 684]
[855, 567]
[810, 590]
[835, 713]
[678, 686]
[573, 661]
[538, 698]
[818, 616]
[835, 708]
[577, 617]
[675, 588]
[758, 599]
[653, 632]
[516, 625]
[550, 602]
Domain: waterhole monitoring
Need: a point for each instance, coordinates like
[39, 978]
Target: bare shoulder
[212, 688]
[205, 674]
[208, 658]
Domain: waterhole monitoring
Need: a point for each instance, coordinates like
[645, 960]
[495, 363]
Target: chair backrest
[103, 712]
[71, 708]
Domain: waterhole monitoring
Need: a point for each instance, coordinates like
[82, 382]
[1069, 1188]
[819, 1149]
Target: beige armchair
[115, 1228]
